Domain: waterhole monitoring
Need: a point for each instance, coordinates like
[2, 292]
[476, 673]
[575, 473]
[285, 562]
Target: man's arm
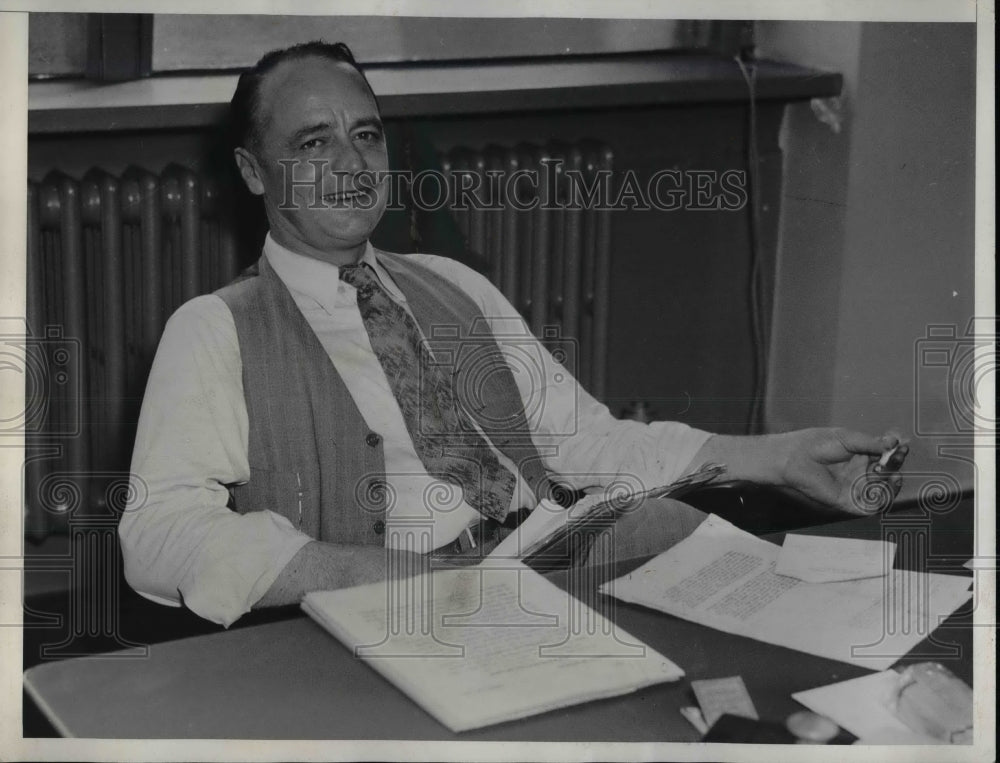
[321, 566]
[829, 468]
[823, 467]
[578, 437]
[180, 541]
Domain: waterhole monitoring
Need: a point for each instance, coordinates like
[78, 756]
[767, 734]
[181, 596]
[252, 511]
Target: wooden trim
[442, 88]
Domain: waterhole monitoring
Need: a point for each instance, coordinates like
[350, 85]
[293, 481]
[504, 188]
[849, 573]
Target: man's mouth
[343, 197]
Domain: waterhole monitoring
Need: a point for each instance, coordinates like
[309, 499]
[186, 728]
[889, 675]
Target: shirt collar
[320, 280]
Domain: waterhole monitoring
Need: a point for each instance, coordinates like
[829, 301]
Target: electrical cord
[755, 424]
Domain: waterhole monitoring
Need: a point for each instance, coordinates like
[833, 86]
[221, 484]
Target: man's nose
[347, 158]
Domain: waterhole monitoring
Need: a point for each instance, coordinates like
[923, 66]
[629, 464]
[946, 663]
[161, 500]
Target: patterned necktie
[447, 442]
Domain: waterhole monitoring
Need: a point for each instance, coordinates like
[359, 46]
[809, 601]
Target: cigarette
[884, 461]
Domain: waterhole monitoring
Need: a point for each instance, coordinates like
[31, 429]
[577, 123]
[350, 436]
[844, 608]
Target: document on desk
[819, 559]
[724, 578]
[478, 646]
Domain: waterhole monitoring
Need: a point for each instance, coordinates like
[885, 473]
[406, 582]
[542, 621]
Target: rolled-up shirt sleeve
[576, 435]
[180, 541]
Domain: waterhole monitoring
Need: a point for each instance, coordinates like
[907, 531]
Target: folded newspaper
[549, 535]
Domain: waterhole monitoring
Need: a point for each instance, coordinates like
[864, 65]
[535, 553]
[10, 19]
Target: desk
[291, 680]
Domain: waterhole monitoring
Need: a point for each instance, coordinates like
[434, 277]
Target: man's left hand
[834, 468]
[828, 468]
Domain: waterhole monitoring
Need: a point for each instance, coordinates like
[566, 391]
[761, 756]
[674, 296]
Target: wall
[184, 42]
[57, 44]
[58, 41]
[876, 240]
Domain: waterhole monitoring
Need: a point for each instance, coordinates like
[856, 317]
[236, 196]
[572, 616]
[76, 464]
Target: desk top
[292, 680]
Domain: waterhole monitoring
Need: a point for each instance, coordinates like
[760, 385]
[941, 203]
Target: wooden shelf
[439, 88]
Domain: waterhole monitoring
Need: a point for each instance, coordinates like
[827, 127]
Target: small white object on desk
[721, 696]
[816, 559]
[693, 716]
[811, 728]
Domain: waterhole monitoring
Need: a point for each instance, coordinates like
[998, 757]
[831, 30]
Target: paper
[549, 524]
[718, 696]
[723, 577]
[545, 519]
[815, 559]
[693, 716]
[859, 705]
[981, 563]
[478, 646]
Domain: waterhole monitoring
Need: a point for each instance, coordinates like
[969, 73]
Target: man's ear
[249, 171]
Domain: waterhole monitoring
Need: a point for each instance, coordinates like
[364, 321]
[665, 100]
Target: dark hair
[242, 127]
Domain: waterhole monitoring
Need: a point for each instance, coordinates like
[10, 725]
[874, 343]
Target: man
[296, 434]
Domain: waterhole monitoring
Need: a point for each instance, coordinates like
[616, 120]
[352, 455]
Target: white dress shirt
[181, 542]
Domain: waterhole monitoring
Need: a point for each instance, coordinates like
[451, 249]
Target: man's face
[317, 118]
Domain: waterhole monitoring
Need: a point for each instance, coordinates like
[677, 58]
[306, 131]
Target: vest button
[373, 439]
[379, 527]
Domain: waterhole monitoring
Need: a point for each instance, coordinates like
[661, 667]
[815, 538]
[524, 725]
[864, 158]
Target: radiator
[551, 261]
[111, 257]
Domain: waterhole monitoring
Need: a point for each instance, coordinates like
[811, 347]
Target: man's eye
[311, 144]
[368, 136]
